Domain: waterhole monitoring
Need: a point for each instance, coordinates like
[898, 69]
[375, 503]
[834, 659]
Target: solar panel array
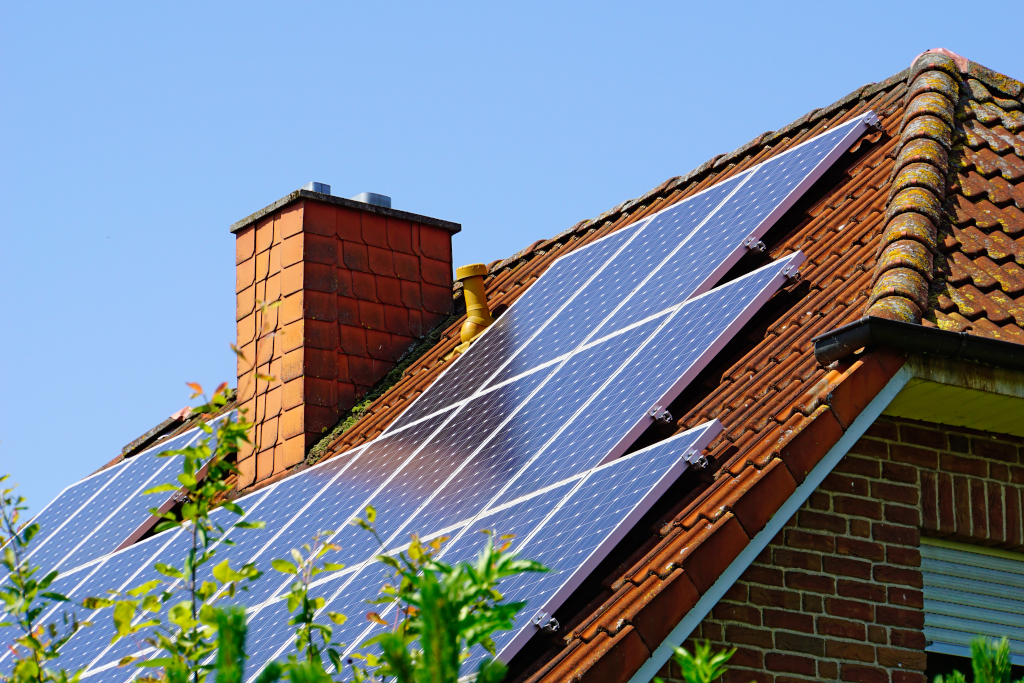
[524, 432]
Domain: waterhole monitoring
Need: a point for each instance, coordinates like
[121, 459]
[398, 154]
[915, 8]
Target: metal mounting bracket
[545, 623]
[660, 415]
[754, 244]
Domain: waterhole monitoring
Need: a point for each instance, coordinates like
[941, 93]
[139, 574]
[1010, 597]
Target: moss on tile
[355, 413]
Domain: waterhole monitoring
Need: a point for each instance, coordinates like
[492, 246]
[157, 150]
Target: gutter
[912, 338]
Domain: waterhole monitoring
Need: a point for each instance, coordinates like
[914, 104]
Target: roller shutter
[970, 591]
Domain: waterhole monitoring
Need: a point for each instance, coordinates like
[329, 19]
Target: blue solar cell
[522, 320]
[768, 191]
[73, 545]
[651, 243]
[595, 516]
[659, 370]
[510, 448]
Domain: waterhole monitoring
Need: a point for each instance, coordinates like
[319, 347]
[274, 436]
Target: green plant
[441, 611]
[701, 666]
[27, 597]
[990, 660]
[312, 638]
[187, 641]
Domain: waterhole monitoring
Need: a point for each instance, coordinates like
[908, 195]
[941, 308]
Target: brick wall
[356, 289]
[837, 594]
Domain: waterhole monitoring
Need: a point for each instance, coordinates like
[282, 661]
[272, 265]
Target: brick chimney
[358, 284]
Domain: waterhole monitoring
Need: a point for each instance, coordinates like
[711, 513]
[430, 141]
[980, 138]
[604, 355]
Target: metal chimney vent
[373, 198]
[322, 188]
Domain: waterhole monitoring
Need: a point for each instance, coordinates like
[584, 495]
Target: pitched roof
[921, 221]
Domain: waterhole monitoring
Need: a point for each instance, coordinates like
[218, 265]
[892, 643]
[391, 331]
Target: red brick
[850, 609]
[726, 611]
[891, 533]
[883, 428]
[862, 549]
[843, 566]
[772, 597]
[871, 447]
[902, 659]
[841, 628]
[355, 256]
[858, 673]
[860, 528]
[820, 500]
[910, 557]
[958, 464]
[864, 380]
[905, 597]
[863, 467]
[790, 621]
[375, 229]
[999, 471]
[364, 286]
[389, 290]
[900, 514]
[347, 224]
[904, 474]
[841, 483]
[858, 652]
[860, 591]
[919, 436]
[795, 559]
[795, 642]
[994, 450]
[768, 576]
[913, 640]
[812, 604]
[897, 616]
[1014, 535]
[858, 507]
[745, 635]
[929, 501]
[898, 493]
[912, 455]
[810, 582]
[995, 511]
[959, 443]
[822, 521]
[905, 577]
[877, 634]
[828, 670]
[908, 677]
[979, 513]
[811, 441]
[796, 538]
[962, 505]
[797, 664]
[947, 514]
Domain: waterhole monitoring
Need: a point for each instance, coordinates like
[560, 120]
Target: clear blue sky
[134, 134]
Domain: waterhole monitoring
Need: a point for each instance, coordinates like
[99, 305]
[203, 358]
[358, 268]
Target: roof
[919, 222]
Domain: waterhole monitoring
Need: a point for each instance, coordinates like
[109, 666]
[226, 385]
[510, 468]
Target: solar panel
[527, 429]
[631, 274]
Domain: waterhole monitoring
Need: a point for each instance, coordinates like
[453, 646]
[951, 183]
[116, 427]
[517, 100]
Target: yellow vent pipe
[478, 315]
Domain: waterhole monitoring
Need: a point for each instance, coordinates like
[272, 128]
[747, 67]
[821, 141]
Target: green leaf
[162, 488]
[250, 525]
[333, 566]
[144, 588]
[168, 570]
[337, 617]
[284, 566]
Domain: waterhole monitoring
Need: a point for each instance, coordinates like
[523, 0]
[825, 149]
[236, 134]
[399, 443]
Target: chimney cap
[463, 272]
[322, 188]
[299, 195]
[373, 198]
